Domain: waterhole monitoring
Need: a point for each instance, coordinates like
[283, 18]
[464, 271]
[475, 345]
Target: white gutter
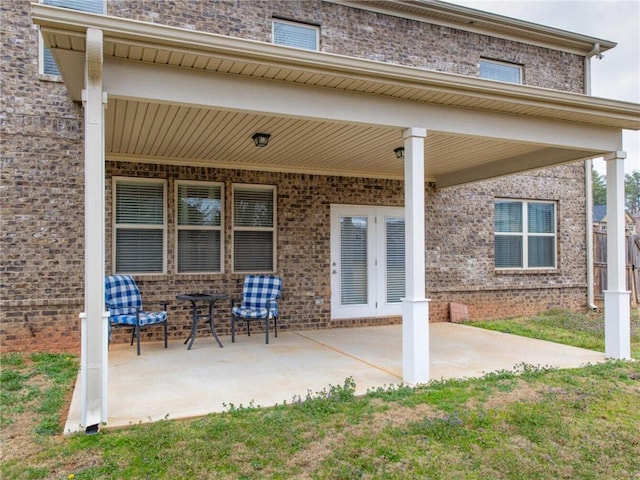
[588, 182]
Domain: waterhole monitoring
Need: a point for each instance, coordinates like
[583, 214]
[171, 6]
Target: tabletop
[204, 297]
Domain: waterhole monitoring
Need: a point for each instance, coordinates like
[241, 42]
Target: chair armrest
[234, 300]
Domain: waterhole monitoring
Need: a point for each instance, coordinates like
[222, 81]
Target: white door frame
[376, 255]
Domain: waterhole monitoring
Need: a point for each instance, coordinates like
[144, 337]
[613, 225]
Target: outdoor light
[261, 139]
[399, 152]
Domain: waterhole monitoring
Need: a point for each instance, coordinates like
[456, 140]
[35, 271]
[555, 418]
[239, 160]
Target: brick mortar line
[43, 302]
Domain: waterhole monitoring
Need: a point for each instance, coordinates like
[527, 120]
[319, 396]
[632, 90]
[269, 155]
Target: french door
[367, 261]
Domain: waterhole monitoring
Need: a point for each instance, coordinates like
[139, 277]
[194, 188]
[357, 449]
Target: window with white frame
[502, 71]
[297, 35]
[254, 228]
[47, 63]
[200, 215]
[140, 225]
[525, 234]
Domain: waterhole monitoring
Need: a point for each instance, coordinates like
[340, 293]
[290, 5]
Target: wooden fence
[600, 265]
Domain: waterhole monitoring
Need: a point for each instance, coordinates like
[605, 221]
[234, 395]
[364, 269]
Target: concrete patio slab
[180, 383]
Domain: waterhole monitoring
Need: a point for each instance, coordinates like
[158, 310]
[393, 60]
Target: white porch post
[94, 319]
[415, 308]
[617, 323]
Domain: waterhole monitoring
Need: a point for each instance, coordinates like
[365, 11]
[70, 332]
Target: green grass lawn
[584, 330]
[530, 423]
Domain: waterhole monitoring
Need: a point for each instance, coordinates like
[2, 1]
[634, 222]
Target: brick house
[383, 118]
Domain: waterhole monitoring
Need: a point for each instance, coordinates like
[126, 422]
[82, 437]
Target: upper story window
[200, 215]
[47, 63]
[501, 71]
[140, 225]
[298, 35]
[525, 234]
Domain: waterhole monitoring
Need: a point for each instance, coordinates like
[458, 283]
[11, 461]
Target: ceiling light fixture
[261, 139]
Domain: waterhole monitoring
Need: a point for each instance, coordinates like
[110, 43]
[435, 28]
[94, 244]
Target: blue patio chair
[124, 302]
[260, 295]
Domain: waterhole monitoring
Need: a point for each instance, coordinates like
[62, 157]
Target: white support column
[94, 319]
[617, 319]
[415, 308]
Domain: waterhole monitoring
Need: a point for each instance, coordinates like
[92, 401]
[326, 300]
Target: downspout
[588, 182]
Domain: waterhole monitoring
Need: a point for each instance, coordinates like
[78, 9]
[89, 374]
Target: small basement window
[297, 35]
[501, 71]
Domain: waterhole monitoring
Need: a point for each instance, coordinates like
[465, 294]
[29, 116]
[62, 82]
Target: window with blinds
[254, 232]
[139, 225]
[48, 64]
[295, 35]
[525, 234]
[501, 71]
[200, 217]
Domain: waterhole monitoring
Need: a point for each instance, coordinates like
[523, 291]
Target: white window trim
[297, 24]
[115, 180]
[273, 229]
[525, 235]
[515, 66]
[198, 227]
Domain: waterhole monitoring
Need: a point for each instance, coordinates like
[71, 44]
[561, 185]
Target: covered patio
[180, 383]
[166, 95]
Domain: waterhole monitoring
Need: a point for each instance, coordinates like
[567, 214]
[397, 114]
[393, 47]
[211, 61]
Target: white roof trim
[485, 23]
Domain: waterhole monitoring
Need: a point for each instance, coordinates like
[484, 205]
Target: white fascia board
[130, 32]
[153, 83]
[477, 21]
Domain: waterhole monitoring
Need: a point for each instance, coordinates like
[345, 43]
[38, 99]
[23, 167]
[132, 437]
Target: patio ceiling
[187, 135]
[469, 137]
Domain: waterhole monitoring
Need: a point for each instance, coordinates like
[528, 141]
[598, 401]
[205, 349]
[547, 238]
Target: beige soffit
[477, 21]
[63, 31]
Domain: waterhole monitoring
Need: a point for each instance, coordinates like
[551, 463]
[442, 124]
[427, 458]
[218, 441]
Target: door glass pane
[353, 259]
[395, 259]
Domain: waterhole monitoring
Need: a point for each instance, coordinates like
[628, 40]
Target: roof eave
[477, 21]
[120, 29]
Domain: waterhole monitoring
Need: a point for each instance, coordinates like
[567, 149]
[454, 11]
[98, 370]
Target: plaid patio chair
[260, 296]
[124, 302]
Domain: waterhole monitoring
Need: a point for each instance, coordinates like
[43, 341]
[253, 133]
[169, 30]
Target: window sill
[44, 77]
[526, 271]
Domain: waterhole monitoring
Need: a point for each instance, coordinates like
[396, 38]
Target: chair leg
[275, 325]
[165, 334]
[248, 328]
[138, 338]
[133, 335]
[233, 329]
[266, 328]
